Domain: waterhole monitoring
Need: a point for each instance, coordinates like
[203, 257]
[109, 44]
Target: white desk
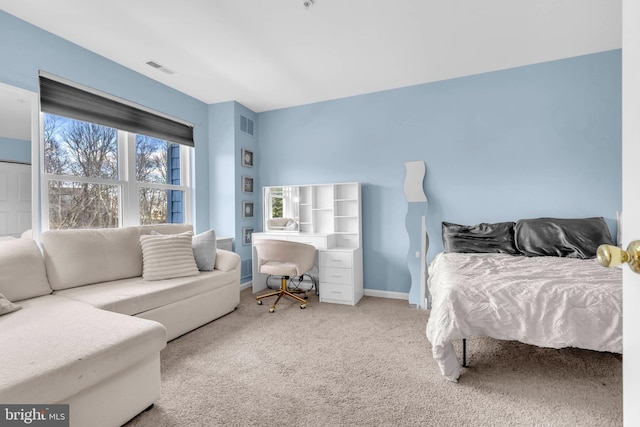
[340, 268]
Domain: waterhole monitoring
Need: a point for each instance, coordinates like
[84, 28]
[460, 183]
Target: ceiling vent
[246, 125]
[159, 67]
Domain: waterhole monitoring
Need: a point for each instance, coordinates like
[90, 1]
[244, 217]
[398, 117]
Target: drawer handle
[336, 260]
[335, 275]
[336, 292]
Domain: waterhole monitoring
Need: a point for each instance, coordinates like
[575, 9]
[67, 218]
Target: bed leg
[464, 352]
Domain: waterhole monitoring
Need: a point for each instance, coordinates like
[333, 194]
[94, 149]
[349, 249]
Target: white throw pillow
[204, 250]
[228, 261]
[167, 256]
[7, 306]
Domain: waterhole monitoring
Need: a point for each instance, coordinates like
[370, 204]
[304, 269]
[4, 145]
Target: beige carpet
[370, 365]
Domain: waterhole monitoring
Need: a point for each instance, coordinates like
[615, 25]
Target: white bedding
[544, 301]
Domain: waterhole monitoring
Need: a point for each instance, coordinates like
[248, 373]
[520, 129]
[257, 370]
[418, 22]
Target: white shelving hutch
[327, 216]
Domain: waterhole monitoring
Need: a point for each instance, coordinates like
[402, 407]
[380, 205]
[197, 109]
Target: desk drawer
[337, 259]
[333, 291]
[336, 275]
[318, 242]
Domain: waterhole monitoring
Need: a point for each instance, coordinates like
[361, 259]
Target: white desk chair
[285, 259]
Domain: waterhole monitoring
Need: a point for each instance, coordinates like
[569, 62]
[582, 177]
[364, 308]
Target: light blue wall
[227, 142]
[540, 140]
[15, 150]
[532, 141]
[25, 49]
[222, 159]
[243, 140]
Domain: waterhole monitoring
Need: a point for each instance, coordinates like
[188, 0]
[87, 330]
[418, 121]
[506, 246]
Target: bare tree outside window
[151, 160]
[73, 148]
[82, 205]
[156, 165]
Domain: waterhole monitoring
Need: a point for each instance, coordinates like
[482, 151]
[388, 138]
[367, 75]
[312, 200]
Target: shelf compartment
[348, 191]
[323, 196]
[323, 221]
[346, 224]
[347, 209]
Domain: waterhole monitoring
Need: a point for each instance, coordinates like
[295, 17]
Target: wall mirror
[18, 134]
[281, 209]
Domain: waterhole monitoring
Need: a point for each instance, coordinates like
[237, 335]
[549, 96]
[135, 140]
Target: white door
[631, 206]
[15, 198]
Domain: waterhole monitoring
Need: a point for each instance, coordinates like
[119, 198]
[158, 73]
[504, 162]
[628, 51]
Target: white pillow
[226, 260]
[167, 256]
[7, 306]
[204, 250]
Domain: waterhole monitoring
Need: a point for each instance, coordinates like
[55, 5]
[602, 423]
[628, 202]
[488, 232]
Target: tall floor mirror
[18, 134]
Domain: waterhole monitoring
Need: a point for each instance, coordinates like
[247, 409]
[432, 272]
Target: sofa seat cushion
[135, 295]
[55, 347]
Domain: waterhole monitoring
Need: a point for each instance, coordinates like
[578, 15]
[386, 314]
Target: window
[275, 199]
[158, 177]
[97, 176]
[106, 162]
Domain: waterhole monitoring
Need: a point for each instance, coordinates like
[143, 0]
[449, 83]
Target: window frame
[129, 202]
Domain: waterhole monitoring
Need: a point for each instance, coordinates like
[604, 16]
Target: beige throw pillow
[167, 256]
[7, 306]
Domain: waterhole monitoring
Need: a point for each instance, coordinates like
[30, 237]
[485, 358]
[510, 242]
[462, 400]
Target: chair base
[282, 292]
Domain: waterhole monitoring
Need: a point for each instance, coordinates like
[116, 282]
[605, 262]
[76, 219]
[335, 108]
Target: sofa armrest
[227, 260]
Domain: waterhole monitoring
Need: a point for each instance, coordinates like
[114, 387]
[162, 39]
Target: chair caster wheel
[272, 309]
[303, 306]
[259, 302]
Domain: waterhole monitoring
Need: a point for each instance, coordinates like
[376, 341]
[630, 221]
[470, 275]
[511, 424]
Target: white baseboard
[386, 294]
[246, 285]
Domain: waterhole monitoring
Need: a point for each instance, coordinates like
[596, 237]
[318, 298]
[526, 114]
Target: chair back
[303, 256]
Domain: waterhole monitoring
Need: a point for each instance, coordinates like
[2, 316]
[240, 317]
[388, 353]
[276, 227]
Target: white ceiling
[269, 54]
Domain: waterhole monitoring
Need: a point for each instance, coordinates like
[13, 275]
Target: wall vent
[246, 125]
[245, 268]
[159, 67]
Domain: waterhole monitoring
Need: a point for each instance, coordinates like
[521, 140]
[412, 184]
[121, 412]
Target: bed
[535, 281]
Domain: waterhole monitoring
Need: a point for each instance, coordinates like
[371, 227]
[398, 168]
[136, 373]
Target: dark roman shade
[69, 101]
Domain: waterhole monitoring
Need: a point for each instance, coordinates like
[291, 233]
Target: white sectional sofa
[90, 328]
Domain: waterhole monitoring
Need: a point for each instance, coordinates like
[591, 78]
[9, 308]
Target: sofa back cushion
[22, 271]
[81, 257]
[164, 228]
